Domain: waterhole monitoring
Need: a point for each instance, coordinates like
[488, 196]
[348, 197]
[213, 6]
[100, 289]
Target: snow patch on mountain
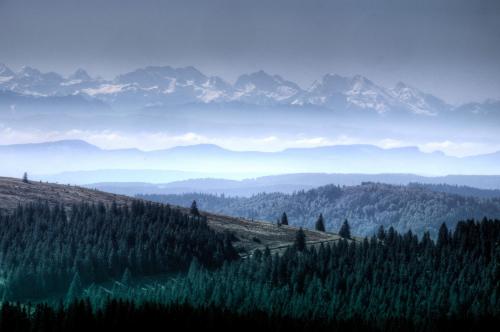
[105, 89]
[167, 86]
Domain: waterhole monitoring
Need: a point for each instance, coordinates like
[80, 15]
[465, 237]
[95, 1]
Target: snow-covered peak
[262, 88]
[165, 85]
[417, 101]
[162, 76]
[81, 75]
[5, 71]
[335, 91]
[330, 83]
[263, 81]
[6, 74]
[405, 92]
[30, 74]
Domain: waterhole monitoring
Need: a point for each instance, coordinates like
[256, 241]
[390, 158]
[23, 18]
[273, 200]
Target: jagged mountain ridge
[155, 86]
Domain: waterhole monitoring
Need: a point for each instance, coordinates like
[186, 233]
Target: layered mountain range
[71, 156]
[164, 86]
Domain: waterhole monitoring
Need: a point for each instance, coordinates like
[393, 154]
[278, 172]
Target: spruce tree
[284, 219]
[75, 289]
[320, 223]
[345, 230]
[443, 236]
[127, 277]
[194, 209]
[300, 240]
[381, 233]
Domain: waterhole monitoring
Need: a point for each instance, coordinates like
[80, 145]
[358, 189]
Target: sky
[449, 48]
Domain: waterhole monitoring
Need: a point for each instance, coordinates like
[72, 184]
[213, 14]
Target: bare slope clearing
[14, 192]
[249, 234]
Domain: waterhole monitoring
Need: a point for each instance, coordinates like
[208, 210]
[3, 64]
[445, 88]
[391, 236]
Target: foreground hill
[249, 234]
[367, 207]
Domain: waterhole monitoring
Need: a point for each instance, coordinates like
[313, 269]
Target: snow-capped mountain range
[157, 86]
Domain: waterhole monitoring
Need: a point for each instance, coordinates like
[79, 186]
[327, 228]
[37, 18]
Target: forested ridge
[43, 248]
[366, 206]
[459, 190]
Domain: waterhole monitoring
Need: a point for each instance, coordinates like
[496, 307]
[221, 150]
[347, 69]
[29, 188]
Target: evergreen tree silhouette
[345, 230]
[75, 289]
[300, 240]
[127, 277]
[284, 219]
[194, 209]
[320, 223]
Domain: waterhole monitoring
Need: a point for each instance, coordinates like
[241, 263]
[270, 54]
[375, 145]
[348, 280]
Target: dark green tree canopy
[300, 240]
[42, 247]
[194, 209]
[320, 223]
[75, 289]
[345, 230]
[284, 219]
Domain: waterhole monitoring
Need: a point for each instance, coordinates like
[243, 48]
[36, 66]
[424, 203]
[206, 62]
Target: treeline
[366, 206]
[387, 280]
[44, 249]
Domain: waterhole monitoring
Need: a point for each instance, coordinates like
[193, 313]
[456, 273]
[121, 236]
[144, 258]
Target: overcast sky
[449, 48]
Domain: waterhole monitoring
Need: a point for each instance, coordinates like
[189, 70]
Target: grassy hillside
[366, 206]
[14, 192]
[249, 234]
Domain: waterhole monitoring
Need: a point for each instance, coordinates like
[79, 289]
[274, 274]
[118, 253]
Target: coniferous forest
[81, 269]
[43, 249]
[249, 166]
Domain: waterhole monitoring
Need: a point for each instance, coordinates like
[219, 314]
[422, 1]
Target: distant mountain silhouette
[64, 156]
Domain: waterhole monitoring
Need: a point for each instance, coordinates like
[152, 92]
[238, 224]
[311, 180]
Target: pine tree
[127, 277]
[300, 240]
[443, 236]
[284, 219]
[75, 289]
[194, 209]
[320, 223]
[25, 177]
[345, 230]
[381, 233]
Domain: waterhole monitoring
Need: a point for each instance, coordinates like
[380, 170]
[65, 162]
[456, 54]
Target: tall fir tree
[194, 209]
[345, 230]
[320, 223]
[75, 289]
[300, 240]
[284, 219]
[127, 277]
